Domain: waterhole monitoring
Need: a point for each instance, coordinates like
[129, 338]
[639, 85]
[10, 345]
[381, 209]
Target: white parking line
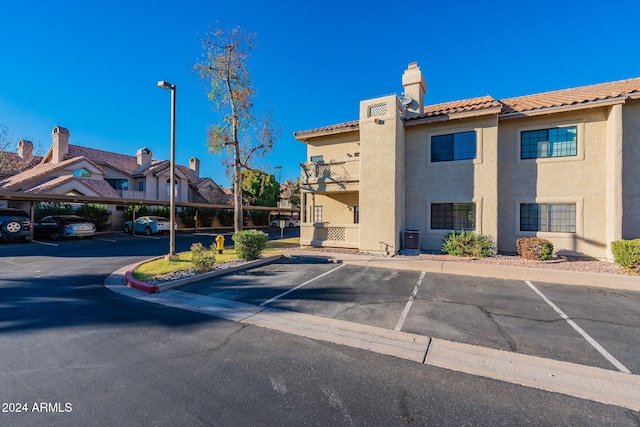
[586, 336]
[405, 313]
[44, 243]
[105, 240]
[299, 286]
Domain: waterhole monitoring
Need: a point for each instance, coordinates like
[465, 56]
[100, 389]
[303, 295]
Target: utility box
[411, 240]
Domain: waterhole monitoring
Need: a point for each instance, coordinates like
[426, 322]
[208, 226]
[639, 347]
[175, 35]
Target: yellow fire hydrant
[220, 243]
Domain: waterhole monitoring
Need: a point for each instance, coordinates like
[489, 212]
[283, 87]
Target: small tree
[259, 188]
[239, 133]
[291, 190]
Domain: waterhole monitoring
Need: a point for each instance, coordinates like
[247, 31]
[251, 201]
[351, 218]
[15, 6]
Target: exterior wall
[631, 170]
[458, 181]
[334, 147]
[382, 182]
[578, 179]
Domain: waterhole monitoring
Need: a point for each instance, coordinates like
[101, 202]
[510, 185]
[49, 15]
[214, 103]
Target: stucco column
[613, 186]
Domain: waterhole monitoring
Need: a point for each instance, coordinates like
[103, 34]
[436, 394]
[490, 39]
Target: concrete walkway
[586, 382]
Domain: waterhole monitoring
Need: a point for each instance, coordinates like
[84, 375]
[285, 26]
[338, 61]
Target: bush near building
[535, 248]
[626, 253]
[469, 244]
[203, 259]
[249, 244]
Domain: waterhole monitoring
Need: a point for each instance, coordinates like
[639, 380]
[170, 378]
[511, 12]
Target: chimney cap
[60, 129]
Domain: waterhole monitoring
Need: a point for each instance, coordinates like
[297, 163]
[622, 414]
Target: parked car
[15, 224]
[288, 221]
[55, 227]
[149, 225]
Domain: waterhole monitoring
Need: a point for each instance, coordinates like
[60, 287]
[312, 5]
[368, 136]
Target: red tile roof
[12, 163]
[98, 186]
[521, 104]
[574, 96]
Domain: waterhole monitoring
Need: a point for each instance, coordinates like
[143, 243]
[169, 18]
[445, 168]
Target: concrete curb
[134, 283]
[614, 281]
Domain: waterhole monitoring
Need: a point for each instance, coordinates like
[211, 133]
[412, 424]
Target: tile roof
[98, 186]
[574, 96]
[122, 162]
[12, 163]
[344, 127]
[521, 104]
[463, 106]
[37, 172]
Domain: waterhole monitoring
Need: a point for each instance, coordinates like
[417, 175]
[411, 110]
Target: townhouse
[560, 165]
[69, 169]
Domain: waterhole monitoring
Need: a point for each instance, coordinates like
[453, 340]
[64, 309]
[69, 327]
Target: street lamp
[279, 171]
[172, 171]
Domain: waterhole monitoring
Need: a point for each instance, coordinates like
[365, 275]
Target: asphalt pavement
[415, 309]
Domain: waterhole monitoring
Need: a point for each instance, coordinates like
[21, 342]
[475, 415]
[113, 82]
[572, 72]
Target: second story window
[553, 142]
[454, 146]
[118, 184]
[175, 188]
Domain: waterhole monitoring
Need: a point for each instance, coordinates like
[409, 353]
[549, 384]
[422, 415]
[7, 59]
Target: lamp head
[165, 85]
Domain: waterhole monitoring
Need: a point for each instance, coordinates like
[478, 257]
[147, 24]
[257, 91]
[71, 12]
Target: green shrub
[249, 244]
[626, 253]
[202, 259]
[535, 248]
[468, 244]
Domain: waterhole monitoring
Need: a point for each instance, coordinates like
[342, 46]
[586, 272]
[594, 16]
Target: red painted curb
[137, 284]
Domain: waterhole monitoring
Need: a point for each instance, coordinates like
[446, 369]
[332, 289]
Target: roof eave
[454, 116]
[566, 108]
[307, 136]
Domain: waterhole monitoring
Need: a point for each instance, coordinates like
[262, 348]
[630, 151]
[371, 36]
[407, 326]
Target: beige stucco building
[560, 165]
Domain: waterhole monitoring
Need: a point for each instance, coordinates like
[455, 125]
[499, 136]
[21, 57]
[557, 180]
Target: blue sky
[93, 67]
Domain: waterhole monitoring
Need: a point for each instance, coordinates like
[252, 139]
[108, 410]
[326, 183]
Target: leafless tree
[240, 133]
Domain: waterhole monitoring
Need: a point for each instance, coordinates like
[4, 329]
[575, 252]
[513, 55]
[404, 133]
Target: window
[356, 214]
[317, 159]
[548, 217]
[317, 214]
[554, 142]
[453, 216]
[175, 188]
[118, 184]
[454, 146]
[140, 185]
[82, 172]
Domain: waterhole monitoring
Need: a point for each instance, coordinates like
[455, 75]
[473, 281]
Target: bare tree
[239, 133]
[5, 146]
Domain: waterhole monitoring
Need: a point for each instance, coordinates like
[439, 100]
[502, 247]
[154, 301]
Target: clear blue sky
[93, 67]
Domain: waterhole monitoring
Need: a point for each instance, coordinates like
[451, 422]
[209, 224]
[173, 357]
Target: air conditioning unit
[411, 240]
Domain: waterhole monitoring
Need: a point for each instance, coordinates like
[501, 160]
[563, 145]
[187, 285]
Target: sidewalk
[587, 382]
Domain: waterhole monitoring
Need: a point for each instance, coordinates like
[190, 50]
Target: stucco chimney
[414, 88]
[144, 156]
[60, 147]
[25, 150]
[194, 165]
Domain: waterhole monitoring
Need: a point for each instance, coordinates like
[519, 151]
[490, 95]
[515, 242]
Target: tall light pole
[172, 171]
[279, 172]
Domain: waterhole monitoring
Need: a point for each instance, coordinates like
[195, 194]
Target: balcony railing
[130, 194]
[338, 171]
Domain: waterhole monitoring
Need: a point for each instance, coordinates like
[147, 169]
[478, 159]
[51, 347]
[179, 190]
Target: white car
[150, 225]
[288, 222]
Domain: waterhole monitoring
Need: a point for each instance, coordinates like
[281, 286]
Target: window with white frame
[453, 216]
[552, 142]
[317, 213]
[551, 217]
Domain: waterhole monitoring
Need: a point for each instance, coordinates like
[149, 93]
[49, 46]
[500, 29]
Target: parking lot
[579, 324]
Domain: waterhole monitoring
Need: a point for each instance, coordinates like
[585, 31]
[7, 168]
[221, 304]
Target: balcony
[343, 174]
[130, 194]
[330, 235]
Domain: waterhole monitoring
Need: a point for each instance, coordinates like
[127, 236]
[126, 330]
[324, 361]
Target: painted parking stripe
[44, 243]
[299, 286]
[105, 240]
[407, 307]
[581, 331]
